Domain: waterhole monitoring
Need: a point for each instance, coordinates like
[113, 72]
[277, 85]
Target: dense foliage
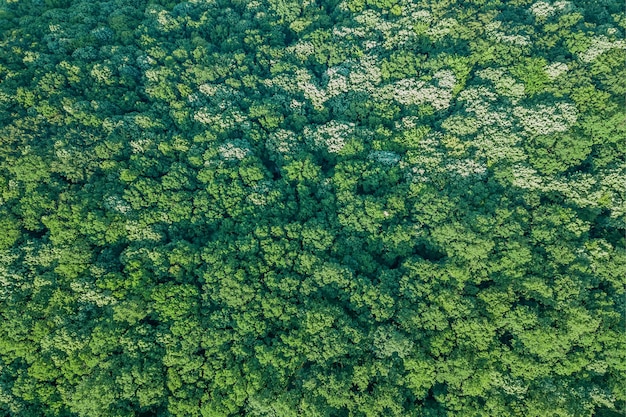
[314, 208]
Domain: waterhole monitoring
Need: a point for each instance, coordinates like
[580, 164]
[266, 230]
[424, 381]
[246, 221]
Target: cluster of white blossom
[477, 98]
[420, 165]
[350, 76]
[228, 120]
[394, 33]
[343, 32]
[417, 174]
[526, 177]
[510, 385]
[166, 21]
[258, 196]
[384, 157]
[373, 20]
[493, 29]
[414, 92]
[542, 9]
[44, 255]
[63, 154]
[236, 149]
[544, 120]
[296, 105]
[88, 293]
[366, 73]
[210, 89]
[337, 81]
[283, 142]
[388, 341]
[264, 193]
[445, 79]
[204, 116]
[135, 231]
[140, 145]
[555, 69]
[301, 49]
[494, 138]
[489, 123]
[407, 91]
[194, 99]
[316, 95]
[371, 45]
[330, 136]
[221, 93]
[439, 98]
[285, 82]
[407, 122]
[487, 115]
[519, 40]
[311, 91]
[116, 203]
[497, 144]
[466, 168]
[580, 188]
[600, 45]
[399, 38]
[414, 14]
[442, 28]
[65, 340]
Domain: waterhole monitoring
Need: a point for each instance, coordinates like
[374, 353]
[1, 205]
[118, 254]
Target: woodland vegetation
[318, 208]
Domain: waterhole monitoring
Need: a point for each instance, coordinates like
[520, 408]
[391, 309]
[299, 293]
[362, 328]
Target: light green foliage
[330, 208]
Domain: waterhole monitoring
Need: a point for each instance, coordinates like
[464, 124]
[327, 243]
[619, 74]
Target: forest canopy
[318, 208]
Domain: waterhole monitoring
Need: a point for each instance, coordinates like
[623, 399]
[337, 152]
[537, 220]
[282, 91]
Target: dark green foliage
[354, 208]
